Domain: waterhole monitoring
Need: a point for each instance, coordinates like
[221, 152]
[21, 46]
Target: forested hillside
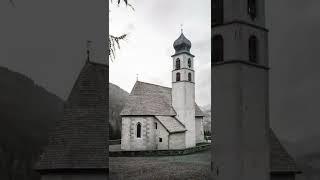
[207, 117]
[27, 113]
[117, 99]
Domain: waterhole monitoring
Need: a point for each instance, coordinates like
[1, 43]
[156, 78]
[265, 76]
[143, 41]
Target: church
[159, 118]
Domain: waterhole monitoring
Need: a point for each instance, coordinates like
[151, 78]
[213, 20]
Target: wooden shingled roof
[280, 160]
[80, 138]
[151, 99]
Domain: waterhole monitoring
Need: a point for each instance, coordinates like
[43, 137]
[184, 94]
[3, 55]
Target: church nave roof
[153, 100]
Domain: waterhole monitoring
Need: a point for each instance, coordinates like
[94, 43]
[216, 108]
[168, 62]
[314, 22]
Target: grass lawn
[192, 166]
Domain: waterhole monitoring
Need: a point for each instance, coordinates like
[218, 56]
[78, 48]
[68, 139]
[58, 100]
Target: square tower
[240, 97]
[183, 89]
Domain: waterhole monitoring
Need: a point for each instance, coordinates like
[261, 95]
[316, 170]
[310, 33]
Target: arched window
[217, 46]
[252, 8]
[189, 77]
[138, 130]
[189, 63]
[253, 49]
[217, 12]
[178, 77]
[178, 63]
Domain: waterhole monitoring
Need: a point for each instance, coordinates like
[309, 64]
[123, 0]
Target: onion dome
[182, 44]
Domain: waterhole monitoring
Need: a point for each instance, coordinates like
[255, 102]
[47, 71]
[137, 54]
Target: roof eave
[183, 52]
[176, 132]
[126, 115]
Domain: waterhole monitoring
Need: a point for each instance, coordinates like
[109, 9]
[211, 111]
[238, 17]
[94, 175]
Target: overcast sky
[153, 27]
[45, 40]
[294, 60]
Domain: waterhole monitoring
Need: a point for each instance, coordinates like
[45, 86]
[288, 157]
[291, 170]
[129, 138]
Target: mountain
[28, 112]
[206, 107]
[117, 99]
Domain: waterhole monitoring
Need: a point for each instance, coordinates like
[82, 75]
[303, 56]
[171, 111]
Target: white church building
[158, 118]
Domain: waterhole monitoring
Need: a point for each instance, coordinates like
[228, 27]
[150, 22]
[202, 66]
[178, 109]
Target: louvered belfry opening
[252, 8]
[217, 46]
[217, 12]
[253, 49]
[177, 64]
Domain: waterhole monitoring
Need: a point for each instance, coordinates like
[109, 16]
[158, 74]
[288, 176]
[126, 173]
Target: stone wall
[282, 177]
[125, 136]
[129, 139]
[115, 141]
[150, 136]
[177, 141]
[74, 177]
[171, 152]
[162, 133]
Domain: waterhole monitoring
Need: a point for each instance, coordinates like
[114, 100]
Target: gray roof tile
[151, 99]
[171, 124]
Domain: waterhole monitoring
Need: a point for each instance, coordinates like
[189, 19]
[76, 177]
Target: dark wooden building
[78, 148]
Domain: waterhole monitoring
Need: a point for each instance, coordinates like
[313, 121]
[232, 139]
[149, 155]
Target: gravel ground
[193, 166]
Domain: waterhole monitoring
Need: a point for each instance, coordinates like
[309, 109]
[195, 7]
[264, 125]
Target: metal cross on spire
[137, 77]
[88, 46]
[181, 28]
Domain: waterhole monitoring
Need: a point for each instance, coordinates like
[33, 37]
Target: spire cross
[181, 28]
[137, 77]
[88, 46]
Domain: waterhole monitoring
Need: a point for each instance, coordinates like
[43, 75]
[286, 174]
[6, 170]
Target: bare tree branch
[114, 44]
[114, 41]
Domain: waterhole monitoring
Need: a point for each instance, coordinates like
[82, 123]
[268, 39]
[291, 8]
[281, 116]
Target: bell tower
[183, 89]
[240, 99]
